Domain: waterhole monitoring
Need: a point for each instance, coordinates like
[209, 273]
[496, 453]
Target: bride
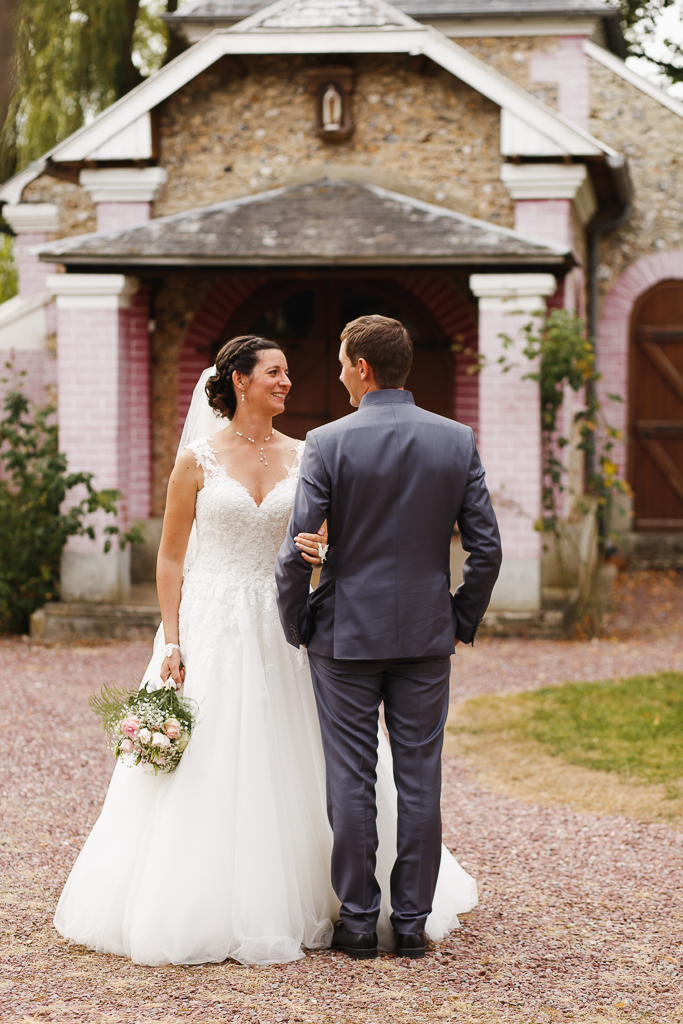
[229, 856]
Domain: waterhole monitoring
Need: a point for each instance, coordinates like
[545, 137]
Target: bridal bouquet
[145, 727]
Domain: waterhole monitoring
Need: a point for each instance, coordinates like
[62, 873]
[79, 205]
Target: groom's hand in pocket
[171, 667]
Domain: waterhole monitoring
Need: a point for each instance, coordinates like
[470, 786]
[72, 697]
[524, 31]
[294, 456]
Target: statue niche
[332, 88]
[332, 109]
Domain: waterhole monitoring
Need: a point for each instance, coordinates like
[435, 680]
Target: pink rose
[131, 726]
[160, 741]
[127, 747]
[172, 728]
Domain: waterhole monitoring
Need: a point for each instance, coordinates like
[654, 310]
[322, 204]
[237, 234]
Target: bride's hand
[171, 667]
[309, 545]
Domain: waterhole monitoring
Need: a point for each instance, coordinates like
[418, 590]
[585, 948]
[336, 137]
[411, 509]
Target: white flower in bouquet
[150, 728]
[144, 736]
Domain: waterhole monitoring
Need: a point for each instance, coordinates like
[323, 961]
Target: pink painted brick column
[140, 409]
[549, 220]
[94, 380]
[568, 67]
[123, 196]
[509, 435]
[115, 216]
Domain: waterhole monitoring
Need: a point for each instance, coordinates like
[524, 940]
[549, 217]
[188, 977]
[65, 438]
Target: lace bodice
[236, 537]
[231, 583]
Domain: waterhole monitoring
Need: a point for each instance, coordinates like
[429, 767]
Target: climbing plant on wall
[557, 343]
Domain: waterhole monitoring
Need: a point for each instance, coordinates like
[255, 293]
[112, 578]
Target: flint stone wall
[77, 213]
[416, 129]
[650, 136]
[175, 305]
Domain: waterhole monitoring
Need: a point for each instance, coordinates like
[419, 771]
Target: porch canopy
[324, 222]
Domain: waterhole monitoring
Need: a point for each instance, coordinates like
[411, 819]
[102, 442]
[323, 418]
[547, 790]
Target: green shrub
[34, 482]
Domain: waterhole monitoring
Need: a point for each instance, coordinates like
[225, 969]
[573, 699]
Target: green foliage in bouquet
[146, 727]
[34, 482]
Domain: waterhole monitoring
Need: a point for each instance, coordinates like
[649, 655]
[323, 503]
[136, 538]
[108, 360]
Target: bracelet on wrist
[170, 648]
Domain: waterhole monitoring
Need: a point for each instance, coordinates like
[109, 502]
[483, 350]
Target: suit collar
[387, 396]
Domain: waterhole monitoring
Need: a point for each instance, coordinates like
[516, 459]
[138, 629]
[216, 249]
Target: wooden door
[307, 319]
[656, 409]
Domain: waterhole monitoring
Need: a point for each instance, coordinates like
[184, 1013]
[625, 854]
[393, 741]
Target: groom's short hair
[384, 344]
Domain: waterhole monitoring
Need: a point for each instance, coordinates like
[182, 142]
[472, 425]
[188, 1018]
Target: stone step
[543, 625]
[63, 622]
[654, 550]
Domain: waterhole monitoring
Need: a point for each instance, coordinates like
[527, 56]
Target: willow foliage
[73, 59]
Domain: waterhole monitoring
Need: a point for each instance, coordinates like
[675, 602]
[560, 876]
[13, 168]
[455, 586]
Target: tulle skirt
[229, 856]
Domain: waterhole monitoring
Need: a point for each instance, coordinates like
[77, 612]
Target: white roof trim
[13, 189]
[615, 64]
[20, 306]
[418, 40]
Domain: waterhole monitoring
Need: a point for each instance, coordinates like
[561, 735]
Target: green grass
[631, 726]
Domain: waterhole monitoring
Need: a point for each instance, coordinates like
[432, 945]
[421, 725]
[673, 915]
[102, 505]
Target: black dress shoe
[359, 945]
[412, 946]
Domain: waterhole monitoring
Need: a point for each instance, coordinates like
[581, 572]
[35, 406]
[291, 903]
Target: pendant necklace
[253, 440]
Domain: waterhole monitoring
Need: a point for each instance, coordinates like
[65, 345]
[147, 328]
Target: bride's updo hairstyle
[239, 354]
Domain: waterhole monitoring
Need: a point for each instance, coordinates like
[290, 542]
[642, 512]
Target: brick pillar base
[509, 435]
[94, 379]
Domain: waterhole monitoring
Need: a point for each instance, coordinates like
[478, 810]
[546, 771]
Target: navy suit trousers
[415, 695]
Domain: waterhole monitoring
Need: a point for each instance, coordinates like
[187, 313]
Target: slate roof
[217, 13]
[328, 14]
[323, 222]
[235, 10]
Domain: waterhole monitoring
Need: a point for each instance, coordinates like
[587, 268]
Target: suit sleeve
[292, 572]
[480, 537]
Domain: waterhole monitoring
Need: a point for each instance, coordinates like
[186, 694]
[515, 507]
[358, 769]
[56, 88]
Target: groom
[392, 481]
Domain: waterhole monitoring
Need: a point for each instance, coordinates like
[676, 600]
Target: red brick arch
[437, 294]
[223, 300]
[451, 312]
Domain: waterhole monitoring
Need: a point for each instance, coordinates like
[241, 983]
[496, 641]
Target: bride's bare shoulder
[187, 459]
[293, 442]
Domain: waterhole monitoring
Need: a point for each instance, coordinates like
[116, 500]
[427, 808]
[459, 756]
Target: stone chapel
[451, 163]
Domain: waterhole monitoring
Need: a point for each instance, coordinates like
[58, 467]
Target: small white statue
[332, 109]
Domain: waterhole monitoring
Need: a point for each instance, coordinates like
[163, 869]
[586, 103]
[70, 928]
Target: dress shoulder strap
[205, 455]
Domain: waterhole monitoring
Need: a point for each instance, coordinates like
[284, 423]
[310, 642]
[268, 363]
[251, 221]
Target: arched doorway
[656, 408]
[307, 317]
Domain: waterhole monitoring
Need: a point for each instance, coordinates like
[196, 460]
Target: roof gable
[528, 126]
[326, 221]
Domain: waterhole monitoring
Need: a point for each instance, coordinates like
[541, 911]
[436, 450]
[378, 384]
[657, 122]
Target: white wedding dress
[229, 856]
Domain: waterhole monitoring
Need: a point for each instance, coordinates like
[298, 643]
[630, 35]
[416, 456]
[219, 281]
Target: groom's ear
[365, 370]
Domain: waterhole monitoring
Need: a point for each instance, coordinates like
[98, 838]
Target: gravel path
[580, 916]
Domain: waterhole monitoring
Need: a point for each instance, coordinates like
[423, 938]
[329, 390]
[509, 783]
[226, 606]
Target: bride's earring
[242, 394]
